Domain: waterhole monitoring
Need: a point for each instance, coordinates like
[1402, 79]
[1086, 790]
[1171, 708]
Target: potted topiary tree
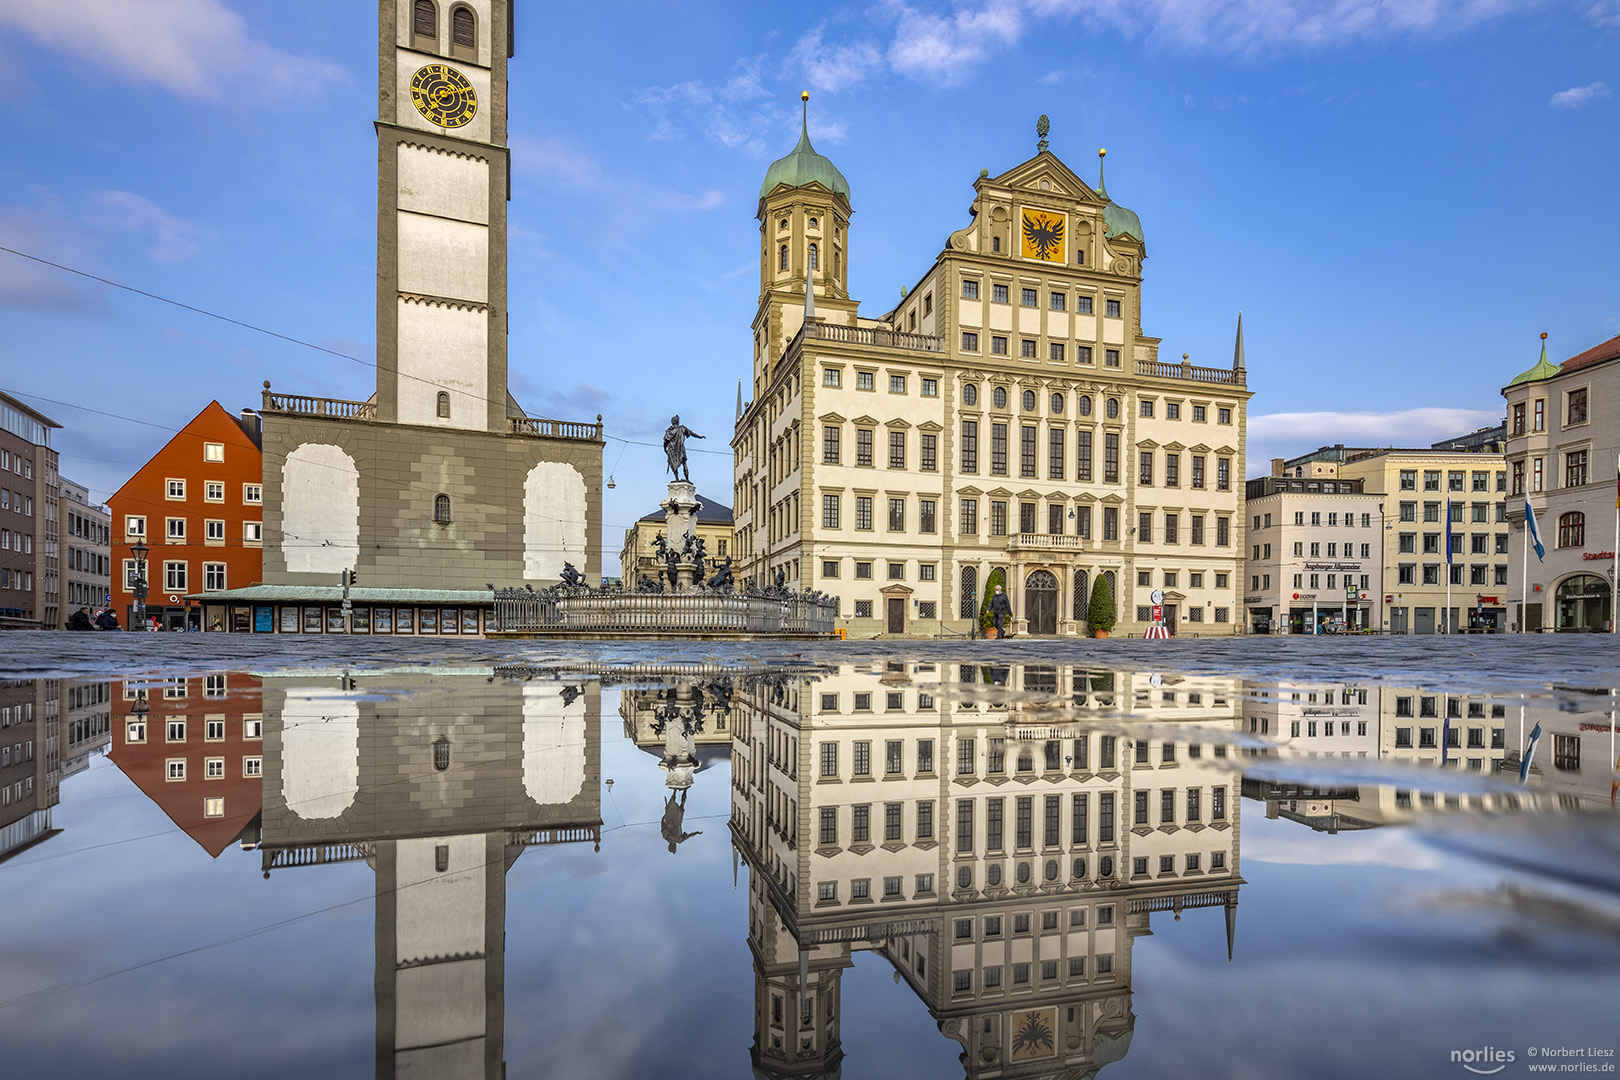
[987, 622]
[1100, 615]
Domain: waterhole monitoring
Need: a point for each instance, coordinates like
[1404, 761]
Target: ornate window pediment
[832, 418]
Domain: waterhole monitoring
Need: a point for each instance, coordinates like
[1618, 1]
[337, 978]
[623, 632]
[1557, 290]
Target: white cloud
[173, 239]
[1576, 96]
[1288, 435]
[946, 46]
[192, 48]
[834, 68]
[554, 162]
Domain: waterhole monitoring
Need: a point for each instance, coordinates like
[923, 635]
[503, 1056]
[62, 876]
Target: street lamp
[140, 551]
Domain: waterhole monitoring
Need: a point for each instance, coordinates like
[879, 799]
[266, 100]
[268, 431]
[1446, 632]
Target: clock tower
[443, 180]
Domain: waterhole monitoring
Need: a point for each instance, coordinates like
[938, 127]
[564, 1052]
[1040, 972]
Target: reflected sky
[725, 869]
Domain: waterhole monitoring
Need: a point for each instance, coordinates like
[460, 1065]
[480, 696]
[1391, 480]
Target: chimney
[1278, 466]
[253, 425]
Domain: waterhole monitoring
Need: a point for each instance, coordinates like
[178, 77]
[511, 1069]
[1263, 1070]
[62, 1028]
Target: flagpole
[1446, 621]
[1524, 572]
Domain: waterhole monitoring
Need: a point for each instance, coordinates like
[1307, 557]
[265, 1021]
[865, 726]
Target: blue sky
[1400, 195]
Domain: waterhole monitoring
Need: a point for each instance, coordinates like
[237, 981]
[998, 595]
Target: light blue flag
[1448, 530]
[1529, 752]
[1535, 533]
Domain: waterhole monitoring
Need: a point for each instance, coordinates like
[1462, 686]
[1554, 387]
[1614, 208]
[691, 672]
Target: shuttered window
[462, 27]
[426, 22]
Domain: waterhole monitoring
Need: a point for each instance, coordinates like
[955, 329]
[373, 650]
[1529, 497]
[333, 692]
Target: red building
[195, 747]
[198, 508]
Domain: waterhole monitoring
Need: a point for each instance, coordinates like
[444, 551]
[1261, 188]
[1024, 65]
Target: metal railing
[1191, 372]
[663, 613]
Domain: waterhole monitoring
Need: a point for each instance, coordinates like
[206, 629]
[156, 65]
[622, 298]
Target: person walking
[1001, 612]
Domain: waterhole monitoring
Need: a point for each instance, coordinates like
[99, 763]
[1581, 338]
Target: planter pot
[989, 632]
[1099, 633]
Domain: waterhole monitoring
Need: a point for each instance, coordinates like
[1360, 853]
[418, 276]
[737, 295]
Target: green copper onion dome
[1117, 220]
[1544, 369]
[804, 166]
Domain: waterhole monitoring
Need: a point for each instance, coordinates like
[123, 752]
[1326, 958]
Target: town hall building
[1008, 414]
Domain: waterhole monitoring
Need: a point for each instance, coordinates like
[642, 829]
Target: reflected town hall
[1000, 835]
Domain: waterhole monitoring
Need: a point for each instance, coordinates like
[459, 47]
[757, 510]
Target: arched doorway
[1582, 603]
[1041, 602]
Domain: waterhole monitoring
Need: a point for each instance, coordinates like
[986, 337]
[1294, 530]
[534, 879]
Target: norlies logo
[1485, 1056]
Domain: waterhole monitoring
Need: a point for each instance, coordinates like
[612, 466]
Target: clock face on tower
[443, 95]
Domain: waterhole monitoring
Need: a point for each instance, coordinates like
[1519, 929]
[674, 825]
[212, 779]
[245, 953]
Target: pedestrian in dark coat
[107, 620]
[80, 620]
[1000, 611]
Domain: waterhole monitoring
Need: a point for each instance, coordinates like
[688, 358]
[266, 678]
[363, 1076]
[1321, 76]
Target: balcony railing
[334, 408]
[1046, 542]
[874, 336]
[1190, 372]
[555, 429]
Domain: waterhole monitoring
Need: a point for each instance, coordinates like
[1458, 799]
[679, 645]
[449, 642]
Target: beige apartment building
[1008, 414]
[1563, 444]
[1316, 547]
[1421, 489]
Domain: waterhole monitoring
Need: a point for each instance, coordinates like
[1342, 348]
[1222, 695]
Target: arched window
[782, 224]
[970, 592]
[813, 223]
[463, 28]
[444, 405]
[425, 19]
[815, 262]
[441, 509]
[1082, 594]
[837, 263]
[441, 747]
[782, 260]
[1572, 529]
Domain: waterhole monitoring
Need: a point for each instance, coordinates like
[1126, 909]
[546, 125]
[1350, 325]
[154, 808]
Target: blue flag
[1529, 752]
[1448, 530]
[1535, 533]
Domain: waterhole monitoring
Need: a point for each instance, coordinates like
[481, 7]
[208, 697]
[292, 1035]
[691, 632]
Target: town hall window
[441, 509]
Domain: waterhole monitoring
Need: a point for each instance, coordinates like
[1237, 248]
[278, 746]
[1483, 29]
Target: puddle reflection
[1000, 835]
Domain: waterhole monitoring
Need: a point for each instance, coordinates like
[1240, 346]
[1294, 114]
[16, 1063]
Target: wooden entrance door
[897, 614]
[1041, 602]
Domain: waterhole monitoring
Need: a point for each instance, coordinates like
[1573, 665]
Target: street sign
[1156, 596]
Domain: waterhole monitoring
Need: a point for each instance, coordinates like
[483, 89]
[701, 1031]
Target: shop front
[263, 609]
[1582, 603]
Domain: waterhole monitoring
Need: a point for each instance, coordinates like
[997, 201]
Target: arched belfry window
[441, 748]
[782, 260]
[425, 19]
[441, 509]
[444, 405]
[463, 28]
[815, 262]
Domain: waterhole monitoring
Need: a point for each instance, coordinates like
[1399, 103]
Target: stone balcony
[1064, 544]
[1191, 372]
[366, 412]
